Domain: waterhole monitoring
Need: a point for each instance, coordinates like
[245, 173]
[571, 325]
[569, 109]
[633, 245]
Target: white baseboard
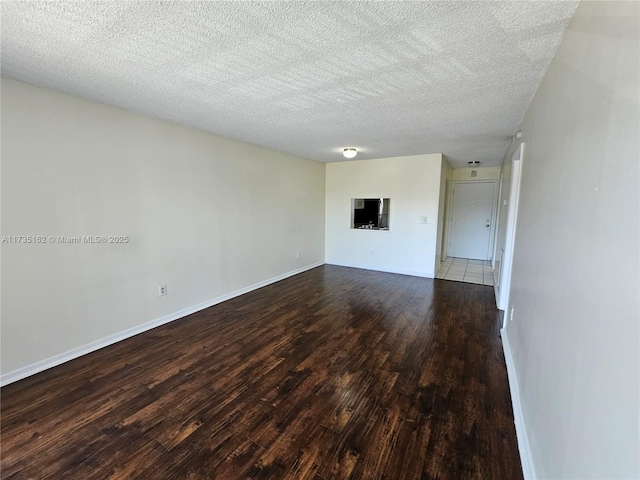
[528, 468]
[50, 362]
[386, 270]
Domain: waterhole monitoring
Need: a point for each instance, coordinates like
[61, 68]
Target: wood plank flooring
[336, 373]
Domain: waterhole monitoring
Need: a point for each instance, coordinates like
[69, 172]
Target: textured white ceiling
[308, 78]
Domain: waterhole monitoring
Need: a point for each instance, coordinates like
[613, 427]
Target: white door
[471, 220]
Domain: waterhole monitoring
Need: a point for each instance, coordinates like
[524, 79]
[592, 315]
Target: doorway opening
[471, 222]
[504, 256]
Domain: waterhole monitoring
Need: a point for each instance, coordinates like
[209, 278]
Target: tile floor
[465, 270]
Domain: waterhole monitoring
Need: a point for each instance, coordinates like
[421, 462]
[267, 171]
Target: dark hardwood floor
[335, 373]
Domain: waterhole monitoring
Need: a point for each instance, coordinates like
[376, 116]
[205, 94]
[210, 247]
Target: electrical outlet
[162, 290]
[511, 315]
[298, 254]
[424, 220]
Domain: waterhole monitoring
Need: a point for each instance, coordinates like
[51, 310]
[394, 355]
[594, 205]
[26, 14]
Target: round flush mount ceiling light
[349, 152]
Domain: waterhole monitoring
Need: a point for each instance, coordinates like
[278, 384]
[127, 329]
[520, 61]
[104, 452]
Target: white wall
[206, 216]
[413, 185]
[575, 286]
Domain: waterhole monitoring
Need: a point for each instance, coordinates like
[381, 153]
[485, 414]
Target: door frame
[503, 290]
[492, 232]
[497, 229]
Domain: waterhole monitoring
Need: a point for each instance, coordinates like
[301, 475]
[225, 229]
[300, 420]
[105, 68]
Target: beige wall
[482, 173]
[575, 334]
[204, 215]
[412, 183]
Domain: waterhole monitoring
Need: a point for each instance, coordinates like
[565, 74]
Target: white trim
[50, 362]
[386, 270]
[526, 459]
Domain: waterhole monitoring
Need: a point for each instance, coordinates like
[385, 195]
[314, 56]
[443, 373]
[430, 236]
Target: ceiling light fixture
[349, 152]
[474, 163]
